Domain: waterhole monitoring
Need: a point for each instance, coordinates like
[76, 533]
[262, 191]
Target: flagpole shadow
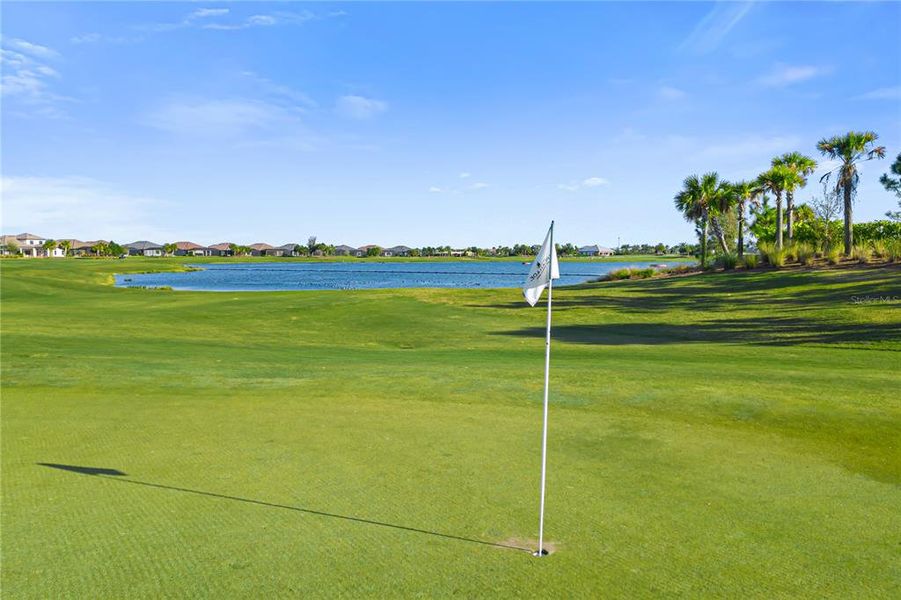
[119, 476]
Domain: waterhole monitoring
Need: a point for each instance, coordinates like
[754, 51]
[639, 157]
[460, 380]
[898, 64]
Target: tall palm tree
[852, 148]
[803, 166]
[724, 201]
[66, 245]
[777, 180]
[696, 201]
[746, 192]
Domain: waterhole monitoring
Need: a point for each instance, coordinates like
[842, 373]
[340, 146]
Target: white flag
[539, 274]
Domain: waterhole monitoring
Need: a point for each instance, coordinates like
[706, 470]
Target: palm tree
[746, 192]
[170, 248]
[696, 201]
[66, 245]
[777, 180]
[802, 166]
[850, 149]
[49, 245]
[724, 200]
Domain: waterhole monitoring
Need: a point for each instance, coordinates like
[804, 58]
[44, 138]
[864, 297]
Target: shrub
[880, 248]
[618, 274]
[728, 260]
[804, 253]
[791, 251]
[643, 273]
[833, 255]
[749, 261]
[773, 255]
[861, 254]
[893, 250]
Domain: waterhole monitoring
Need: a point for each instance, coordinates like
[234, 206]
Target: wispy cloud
[715, 26]
[223, 19]
[218, 118]
[69, 206]
[283, 93]
[32, 49]
[668, 92]
[465, 175]
[783, 75]
[359, 107]
[588, 183]
[27, 79]
[886, 93]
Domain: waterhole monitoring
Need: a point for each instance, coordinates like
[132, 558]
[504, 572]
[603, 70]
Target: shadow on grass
[797, 290]
[116, 475]
[777, 331]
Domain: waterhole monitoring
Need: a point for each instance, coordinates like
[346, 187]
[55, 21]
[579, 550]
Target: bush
[749, 261]
[880, 248]
[861, 254]
[772, 255]
[805, 253]
[728, 260]
[833, 255]
[618, 274]
[642, 273]
[893, 250]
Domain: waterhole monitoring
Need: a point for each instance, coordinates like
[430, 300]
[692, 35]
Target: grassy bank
[721, 435]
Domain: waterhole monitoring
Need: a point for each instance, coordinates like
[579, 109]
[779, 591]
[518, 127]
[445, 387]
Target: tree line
[719, 208]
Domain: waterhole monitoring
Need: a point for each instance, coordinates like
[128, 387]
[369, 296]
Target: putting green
[727, 435]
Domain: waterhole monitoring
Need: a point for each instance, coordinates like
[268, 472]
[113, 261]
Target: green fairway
[725, 435]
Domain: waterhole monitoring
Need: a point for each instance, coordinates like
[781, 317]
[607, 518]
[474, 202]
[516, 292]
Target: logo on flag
[543, 269]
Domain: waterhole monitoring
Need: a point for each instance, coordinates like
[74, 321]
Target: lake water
[362, 275]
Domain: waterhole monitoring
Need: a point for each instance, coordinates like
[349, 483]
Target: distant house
[80, 248]
[287, 250]
[144, 248]
[191, 249]
[31, 245]
[223, 249]
[9, 245]
[364, 250]
[343, 250]
[261, 249]
[397, 251]
[595, 251]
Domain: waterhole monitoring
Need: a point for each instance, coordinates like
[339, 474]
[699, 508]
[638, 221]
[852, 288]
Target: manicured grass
[726, 435]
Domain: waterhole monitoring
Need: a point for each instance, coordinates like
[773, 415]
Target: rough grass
[719, 435]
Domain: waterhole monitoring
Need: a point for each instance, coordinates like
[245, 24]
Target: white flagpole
[547, 371]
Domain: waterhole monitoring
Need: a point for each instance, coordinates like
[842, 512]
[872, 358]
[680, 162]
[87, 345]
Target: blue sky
[416, 123]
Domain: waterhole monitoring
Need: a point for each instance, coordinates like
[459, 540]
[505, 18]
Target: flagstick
[547, 372]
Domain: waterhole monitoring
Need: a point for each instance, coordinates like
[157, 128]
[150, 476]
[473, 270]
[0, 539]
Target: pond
[282, 276]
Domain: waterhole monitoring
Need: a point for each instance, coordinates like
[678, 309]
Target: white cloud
[783, 75]
[479, 185]
[27, 80]
[668, 92]
[201, 13]
[35, 50]
[716, 24]
[217, 118]
[465, 175]
[77, 207]
[886, 93]
[86, 38]
[359, 107]
[435, 190]
[594, 182]
[587, 183]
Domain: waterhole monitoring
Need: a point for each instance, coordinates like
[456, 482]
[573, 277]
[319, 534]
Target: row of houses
[33, 245]
[146, 248]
